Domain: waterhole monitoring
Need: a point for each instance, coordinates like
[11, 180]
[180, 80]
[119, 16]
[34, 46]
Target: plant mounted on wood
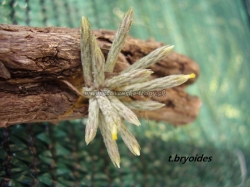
[108, 109]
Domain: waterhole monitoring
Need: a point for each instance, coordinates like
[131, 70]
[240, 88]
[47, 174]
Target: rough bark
[34, 62]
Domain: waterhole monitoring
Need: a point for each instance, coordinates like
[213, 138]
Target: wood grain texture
[35, 61]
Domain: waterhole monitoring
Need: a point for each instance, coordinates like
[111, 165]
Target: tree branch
[35, 63]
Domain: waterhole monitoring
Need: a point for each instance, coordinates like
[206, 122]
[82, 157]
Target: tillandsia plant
[107, 110]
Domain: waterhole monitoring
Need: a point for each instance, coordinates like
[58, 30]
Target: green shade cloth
[214, 33]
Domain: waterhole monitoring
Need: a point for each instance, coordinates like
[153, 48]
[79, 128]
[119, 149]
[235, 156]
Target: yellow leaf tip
[114, 136]
[192, 75]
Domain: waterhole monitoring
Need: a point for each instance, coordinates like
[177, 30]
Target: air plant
[106, 110]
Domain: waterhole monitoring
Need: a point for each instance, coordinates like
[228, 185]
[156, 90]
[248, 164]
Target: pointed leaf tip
[136, 150]
[171, 47]
[87, 142]
[192, 75]
[114, 136]
[131, 10]
[117, 164]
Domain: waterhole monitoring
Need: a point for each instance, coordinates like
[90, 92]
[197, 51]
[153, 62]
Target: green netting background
[214, 33]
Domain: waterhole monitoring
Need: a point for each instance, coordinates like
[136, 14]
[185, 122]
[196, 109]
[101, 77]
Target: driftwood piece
[35, 61]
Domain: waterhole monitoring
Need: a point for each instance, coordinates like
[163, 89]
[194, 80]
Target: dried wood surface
[35, 62]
